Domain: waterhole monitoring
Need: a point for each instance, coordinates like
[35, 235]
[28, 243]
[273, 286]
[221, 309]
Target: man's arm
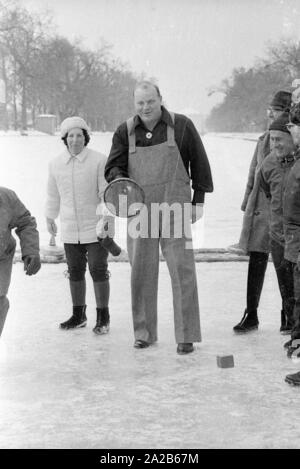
[199, 164]
[26, 230]
[263, 183]
[250, 180]
[117, 162]
[26, 227]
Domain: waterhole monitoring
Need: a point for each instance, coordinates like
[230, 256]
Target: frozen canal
[73, 389]
[24, 165]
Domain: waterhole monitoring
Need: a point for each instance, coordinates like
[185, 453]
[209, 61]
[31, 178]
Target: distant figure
[255, 237]
[75, 184]
[162, 152]
[13, 214]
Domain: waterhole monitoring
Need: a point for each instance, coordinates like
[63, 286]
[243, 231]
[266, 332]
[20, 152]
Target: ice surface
[24, 167]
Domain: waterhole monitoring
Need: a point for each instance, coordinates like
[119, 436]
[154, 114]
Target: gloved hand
[51, 226]
[196, 212]
[32, 264]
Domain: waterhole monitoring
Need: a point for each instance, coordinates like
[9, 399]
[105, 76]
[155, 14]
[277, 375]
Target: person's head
[294, 124]
[75, 134]
[280, 103]
[281, 141]
[147, 102]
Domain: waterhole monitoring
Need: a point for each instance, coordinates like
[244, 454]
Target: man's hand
[32, 264]
[196, 212]
[51, 226]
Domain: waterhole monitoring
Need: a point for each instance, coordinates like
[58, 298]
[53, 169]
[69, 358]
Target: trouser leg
[258, 262]
[284, 272]
[144, 259]
[181, 265]
[296, 329]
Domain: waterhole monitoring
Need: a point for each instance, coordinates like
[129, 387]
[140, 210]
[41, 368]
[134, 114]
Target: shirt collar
[165, 117]
[80, 157]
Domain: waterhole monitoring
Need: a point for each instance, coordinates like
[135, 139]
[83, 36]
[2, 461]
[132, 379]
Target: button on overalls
[160, 171]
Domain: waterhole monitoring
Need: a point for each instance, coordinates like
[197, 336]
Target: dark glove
[109, 244]
[32, 264]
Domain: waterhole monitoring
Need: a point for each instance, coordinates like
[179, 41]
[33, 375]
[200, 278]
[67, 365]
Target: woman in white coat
[75, 183]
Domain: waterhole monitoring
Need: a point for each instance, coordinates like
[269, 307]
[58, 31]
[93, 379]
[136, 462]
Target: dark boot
[293, 379]
[103, 321]
[293, 348]
[78, 319]
[184, 348]
[248, 323]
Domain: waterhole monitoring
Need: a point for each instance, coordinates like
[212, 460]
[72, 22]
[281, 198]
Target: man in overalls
[162, 151]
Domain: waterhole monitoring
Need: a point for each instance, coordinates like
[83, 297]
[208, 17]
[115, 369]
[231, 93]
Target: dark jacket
[187, 139]
[274, 176]
[13, 214]
[255, 230]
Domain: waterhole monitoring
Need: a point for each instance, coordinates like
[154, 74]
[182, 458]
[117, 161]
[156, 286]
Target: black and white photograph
[149, 227]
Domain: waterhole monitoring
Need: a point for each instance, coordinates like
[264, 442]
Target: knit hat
[295, 114]
[72, 122]
[282, 100]
[280, 123]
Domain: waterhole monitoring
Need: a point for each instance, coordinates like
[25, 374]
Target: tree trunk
[33, 116]
[24, 107]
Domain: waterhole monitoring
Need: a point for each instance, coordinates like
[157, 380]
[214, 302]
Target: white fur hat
[72, 122]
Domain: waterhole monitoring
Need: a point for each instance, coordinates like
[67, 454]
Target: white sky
[188, 45]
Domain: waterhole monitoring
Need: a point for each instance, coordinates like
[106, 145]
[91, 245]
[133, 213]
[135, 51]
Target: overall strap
[171, 132]
[131, 135]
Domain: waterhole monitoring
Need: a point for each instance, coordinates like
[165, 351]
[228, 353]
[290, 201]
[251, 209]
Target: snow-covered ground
[72, 389]
[24, 165]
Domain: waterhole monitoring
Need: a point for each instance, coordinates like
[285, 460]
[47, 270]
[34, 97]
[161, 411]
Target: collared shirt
[67, 157]
[187, 139]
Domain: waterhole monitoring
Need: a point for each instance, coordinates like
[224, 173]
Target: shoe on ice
[103, 321]
[141, 344]
[293, 379]
[248, 323]
[78, 319]
[184, 348]
[294, 349]
[286, 329]
[287, 344]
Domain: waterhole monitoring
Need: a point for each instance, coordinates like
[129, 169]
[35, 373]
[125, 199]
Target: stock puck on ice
[225, 361]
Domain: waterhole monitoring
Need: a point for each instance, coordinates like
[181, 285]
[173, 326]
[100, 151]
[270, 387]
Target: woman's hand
[51, 226]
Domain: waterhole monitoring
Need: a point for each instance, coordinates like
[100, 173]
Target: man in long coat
[255, 238]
